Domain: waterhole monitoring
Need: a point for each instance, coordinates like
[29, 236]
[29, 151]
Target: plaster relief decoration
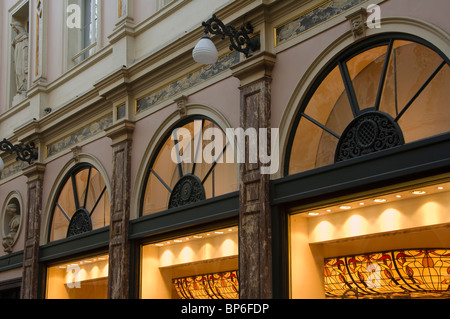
[313, 18]
[82, 134]
[20, 63]
[11, 221]
[186, 82]
[358, 23]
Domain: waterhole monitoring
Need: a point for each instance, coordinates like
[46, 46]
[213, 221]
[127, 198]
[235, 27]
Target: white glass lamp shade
[2, 165]
[205, 51]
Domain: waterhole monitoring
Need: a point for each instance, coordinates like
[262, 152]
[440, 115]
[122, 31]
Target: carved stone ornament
[80, 223]
[369, 133]
[358, 23]
[12, 220]
[182, 105]
[188, 189]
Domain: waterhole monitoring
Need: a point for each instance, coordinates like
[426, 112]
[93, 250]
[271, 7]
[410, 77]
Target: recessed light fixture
[379, 200]
[345, 207]
[313, 214]
[218, 232]
[440, 188]
[419, 192]
[398, 196]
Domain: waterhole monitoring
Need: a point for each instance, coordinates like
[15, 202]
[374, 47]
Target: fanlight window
[82, 204]
[175, 179]
[393, 92]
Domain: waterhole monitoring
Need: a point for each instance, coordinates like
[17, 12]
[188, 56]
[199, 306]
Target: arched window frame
[346, 55]
[67, 176]
[167, 135]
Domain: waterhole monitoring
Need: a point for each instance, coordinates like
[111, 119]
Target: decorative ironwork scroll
[188, 189]
[239, 39]
[79, 223]
[401, 274]
[224, 285]
[368, 133]
[26, 153]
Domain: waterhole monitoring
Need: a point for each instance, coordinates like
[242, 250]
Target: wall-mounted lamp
[205, 51]
[28, 153]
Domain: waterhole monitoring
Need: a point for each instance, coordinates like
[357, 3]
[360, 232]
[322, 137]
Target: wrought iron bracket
[26, 153]
[240, 39]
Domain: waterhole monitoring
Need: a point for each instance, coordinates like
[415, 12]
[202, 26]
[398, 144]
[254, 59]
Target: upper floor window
[82, 30]
[163, 3]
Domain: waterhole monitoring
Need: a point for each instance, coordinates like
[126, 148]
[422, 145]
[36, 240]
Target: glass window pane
[365, 71]
[201, 266]
[200, 155]
[414, 96]
[333, 244]
[85, 278]
[92, 197]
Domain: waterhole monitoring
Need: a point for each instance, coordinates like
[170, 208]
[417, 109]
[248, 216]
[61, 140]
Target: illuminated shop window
[182, 172]
[387, 244]
[393, 92]
[81, 205]
[85, 278]
[199, 266]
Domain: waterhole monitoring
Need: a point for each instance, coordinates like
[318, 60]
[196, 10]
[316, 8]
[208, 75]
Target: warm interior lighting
[195, 265]
[224, 285]
[394, 274]
[85, 278]
[382, 198]
[195, 237]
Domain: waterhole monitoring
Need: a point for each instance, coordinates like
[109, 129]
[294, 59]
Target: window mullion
[383, 75]
[349, 89]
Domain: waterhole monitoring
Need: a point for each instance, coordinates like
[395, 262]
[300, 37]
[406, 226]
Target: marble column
[255, 242]
[30, 273]
[119, 247]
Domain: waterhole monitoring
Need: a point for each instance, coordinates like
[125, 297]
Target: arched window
[189, 166]
[81, 205]
[385, 92]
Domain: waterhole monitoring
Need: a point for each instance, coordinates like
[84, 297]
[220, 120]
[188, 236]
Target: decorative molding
[312, 18]
[82, 134]
[187, 81]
